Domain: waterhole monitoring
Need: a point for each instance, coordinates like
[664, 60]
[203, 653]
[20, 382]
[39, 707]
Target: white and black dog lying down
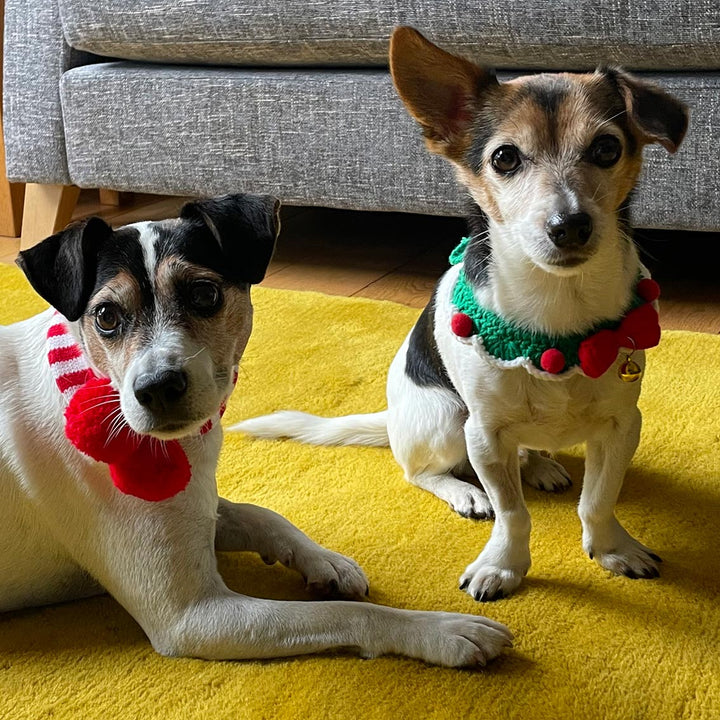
[532, 339]
[133, 365]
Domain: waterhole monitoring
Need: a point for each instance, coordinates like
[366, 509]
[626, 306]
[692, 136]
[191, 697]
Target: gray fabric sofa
[293, 97]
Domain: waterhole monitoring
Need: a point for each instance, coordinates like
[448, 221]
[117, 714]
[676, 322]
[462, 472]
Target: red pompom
[153, 474]
[648, 289]
[89, 421]
[552, 361]
[598, 352]
[640, 329]
[139, 465]
[461, 324]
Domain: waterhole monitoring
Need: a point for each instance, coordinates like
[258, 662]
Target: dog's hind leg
[463, 497]
[425, 429]
[242, 527]
[542, 472]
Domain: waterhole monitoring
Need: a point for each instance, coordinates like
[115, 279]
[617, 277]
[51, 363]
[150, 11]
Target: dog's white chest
[534, 410]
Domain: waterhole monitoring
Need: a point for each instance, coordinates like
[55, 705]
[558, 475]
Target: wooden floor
[399, 257]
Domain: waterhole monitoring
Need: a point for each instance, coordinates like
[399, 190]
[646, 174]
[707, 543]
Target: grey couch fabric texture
[195, 131]
[261, 97]
[35, 57]
[541, 34]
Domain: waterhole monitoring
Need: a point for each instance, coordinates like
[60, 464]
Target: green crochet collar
[511, 345]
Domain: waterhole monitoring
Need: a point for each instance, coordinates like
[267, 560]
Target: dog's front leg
[248, 527]
[505, 559]
[604, 538]
[229, 626]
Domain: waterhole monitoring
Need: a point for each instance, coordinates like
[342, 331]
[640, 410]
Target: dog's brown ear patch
[657, 115]
[440, 90]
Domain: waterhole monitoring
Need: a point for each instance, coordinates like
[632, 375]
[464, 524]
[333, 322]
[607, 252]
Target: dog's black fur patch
[478, 253]
[233, 235]
[62, 269]
[547, 92]
[483, 130]
[123, 251]
[423, 364]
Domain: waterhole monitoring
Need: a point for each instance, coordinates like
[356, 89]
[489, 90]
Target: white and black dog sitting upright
[532, 339]
[110, 404]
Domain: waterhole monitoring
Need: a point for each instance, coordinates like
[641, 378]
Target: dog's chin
[563, 264]
[164, 429]
[175, 431]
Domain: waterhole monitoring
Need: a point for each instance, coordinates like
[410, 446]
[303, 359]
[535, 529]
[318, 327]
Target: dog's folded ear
[656, 115]
[440, 90]
[62, 268]
[244, 226]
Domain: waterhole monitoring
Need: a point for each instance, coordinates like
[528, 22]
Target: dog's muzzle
[160, 391]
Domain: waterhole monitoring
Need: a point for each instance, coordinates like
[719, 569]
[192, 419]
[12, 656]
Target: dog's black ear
[245, 227]
[657, 115]
[441, 91]
[62, 268]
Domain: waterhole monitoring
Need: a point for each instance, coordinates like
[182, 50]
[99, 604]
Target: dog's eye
[205, 296]
[506, 159]
[605, 151]
[108, 318]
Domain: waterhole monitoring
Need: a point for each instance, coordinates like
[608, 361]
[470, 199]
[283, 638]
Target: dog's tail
[370, 429]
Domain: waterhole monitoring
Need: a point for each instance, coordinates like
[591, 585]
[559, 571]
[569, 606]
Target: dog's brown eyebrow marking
[123, 289]
[172, 268]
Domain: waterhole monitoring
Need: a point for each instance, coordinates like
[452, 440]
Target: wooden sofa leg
[114, 197]
[48, 208]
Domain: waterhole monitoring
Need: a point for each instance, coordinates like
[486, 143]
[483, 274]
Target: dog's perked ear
[245, 227]
[62, 268]
[656, 115]
[440, 90]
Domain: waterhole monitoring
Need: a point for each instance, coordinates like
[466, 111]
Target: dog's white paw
[470, 502]
[544, 473]
[486, 580]
[454, 640]
[489, 582]
[332, 575]
[612, 547]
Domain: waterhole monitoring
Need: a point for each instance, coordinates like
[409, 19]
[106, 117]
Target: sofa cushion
[563, 34]
[337, 138]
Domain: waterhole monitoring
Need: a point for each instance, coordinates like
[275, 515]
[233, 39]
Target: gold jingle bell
[629, 371]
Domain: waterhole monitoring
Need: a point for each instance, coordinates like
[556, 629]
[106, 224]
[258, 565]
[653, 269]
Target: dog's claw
[464, 583]
[655, 557]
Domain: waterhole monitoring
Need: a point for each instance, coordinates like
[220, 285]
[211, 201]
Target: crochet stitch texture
[508, 341]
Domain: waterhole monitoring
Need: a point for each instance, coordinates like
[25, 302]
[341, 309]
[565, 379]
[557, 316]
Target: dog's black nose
[157, 391]
[569, 230]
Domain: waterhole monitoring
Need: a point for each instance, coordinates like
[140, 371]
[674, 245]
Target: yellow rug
[588, 645]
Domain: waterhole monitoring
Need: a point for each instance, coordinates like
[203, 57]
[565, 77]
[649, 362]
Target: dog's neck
[509, 284]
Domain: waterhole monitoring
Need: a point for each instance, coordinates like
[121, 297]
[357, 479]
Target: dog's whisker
[192, 357]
